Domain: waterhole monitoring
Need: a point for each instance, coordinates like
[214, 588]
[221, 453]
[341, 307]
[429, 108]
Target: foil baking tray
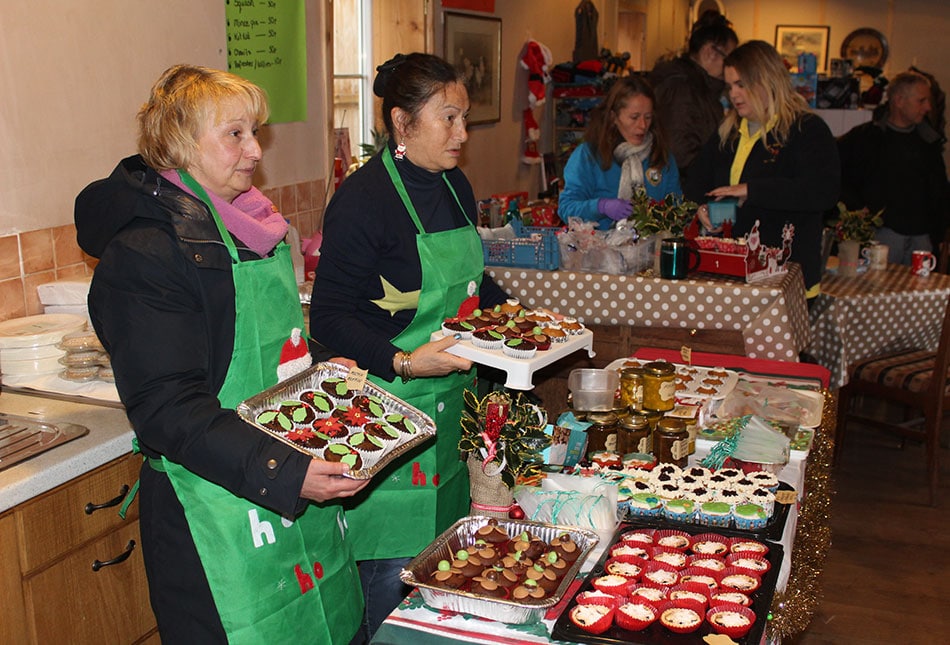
[461, 535]
[310, 379]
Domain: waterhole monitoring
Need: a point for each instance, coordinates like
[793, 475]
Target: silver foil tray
[22, 438]
[310, 379]
[461, 535]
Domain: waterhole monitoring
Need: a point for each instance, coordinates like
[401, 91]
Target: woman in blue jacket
[623, 148]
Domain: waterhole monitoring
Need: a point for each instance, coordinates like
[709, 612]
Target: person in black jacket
[772, 154]
[185, 243]
[689, 89]
[895, 164]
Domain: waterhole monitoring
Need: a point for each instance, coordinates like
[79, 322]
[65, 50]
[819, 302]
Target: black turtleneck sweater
[368, 237]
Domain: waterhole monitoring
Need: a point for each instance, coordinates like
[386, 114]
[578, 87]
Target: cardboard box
[568, 445]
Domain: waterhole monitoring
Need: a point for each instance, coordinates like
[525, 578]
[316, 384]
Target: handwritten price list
[267, 45]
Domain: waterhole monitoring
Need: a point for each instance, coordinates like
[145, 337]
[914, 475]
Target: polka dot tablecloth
[875, 313]
[771, 314]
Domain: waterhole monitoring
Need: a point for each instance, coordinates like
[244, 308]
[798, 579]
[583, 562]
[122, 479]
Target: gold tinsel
[792, 609]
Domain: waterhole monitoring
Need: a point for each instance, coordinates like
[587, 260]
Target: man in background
[895, 163]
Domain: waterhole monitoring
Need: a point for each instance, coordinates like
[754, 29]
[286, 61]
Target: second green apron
[424, 492]
[273, 580]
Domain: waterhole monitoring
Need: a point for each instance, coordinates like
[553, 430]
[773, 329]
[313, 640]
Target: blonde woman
[776, 157]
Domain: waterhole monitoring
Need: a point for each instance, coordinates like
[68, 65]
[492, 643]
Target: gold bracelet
[405, 367]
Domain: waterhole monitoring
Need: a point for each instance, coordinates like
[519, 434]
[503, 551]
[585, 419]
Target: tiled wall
[49, 254]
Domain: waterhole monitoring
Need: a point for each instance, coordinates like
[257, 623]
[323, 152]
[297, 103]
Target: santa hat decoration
[294, 356]
[471, 303]
[537, 60]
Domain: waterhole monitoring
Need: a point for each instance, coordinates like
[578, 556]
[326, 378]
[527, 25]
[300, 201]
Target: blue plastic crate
[534, 248]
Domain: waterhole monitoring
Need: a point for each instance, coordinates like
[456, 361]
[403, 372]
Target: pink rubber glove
[615, 209]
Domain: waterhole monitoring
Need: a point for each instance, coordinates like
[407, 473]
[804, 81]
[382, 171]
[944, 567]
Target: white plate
[44, 329]
[691, 379]
[520, 371]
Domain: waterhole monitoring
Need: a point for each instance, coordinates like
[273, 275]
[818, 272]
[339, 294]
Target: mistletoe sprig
[858, 225]
[505, 430]
[672, 213]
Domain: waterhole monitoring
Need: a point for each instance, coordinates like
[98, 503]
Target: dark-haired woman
[400, 253]
[624, 148]
[690, 90]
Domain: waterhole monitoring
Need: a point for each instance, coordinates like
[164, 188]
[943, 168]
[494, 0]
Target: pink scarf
[251, 217]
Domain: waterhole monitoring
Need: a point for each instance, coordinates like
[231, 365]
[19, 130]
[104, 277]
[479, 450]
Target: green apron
[423, 493]
[273, 580]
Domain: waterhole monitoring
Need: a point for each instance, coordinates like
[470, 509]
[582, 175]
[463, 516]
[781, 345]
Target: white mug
[876, 255]
[922, 263]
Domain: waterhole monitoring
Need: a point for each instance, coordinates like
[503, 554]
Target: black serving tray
[772, 531]
[656, 634]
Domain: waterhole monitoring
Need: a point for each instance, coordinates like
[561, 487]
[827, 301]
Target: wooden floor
[887, 576]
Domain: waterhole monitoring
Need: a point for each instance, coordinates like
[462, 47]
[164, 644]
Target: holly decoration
[505, 431]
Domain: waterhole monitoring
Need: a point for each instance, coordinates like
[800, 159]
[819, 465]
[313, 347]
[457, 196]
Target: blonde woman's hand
[739, 191]
[325, 481]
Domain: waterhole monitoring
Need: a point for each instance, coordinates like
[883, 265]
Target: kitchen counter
[109, 437]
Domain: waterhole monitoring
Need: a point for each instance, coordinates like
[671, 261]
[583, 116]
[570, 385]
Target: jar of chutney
[659, 388]
[671, 441]
[602, 433]
[635, 435]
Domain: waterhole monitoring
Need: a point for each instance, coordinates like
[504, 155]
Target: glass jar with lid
[635, 435]
[631, 388]
[659, 387]
[671, 441]
[602, 433]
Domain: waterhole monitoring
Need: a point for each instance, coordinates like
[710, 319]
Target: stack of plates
[28, 346]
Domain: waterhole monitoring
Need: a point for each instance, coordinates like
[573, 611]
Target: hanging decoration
[537, 60]
[793, 608]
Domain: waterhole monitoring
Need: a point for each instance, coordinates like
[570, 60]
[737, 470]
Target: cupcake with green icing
[644, 505]
[715, 514]
[679, 510]
[749, 516]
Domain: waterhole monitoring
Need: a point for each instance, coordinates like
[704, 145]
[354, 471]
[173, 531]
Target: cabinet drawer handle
[122, 557]
[92, 508]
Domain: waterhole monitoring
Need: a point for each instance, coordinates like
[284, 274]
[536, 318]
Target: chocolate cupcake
[275, 420]
[370, 404]
[343, 453]
[337, 388]
[319, 401]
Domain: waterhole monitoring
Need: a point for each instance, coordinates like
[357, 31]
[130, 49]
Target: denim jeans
[382, 592]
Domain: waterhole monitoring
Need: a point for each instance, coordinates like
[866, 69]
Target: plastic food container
[462, 534]
[592, 390]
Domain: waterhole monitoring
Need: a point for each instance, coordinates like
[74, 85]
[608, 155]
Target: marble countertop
[109, 437]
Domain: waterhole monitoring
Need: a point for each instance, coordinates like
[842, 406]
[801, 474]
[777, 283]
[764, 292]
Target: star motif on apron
[394, 300]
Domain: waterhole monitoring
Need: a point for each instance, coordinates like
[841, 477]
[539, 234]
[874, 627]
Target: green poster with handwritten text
[267, 44]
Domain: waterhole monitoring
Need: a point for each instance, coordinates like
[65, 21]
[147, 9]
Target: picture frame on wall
[473, 45]
[792, 40]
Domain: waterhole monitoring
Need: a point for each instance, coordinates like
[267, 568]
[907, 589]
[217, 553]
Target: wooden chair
[905, 378]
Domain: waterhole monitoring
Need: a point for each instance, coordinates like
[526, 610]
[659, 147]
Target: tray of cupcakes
[515, 340]
[512, 571]
[665, 585]
[320, 413]
[696, 496]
